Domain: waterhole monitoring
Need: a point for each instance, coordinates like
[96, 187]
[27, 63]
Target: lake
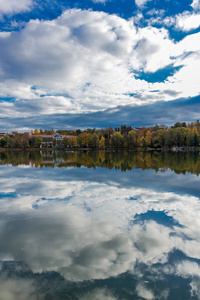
[99, 225]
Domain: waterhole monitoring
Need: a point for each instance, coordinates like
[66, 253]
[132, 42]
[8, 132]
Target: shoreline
[134, 149]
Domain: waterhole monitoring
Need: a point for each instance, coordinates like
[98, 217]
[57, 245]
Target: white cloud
[186, 21]
[158, 12]
[195, 4]
[153, 49]
[99, 1]
[77, 53]
[4, 34]
[141, 3]
[12, 7]
[91, 57]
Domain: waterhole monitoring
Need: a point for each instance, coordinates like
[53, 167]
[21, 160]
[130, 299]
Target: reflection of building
[47, 157]
[51, 157]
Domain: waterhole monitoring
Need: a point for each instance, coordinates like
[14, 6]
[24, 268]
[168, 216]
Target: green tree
[38, 141]
[161, 138]
[169, 139]
[4, 141]
[196, 140]
[177, 137]
[148, 138]
[94, 141]
[132, 139]
[143, 142]
[117, 140]
[85, 139]
[190, 139]
[74, 141]
[25, 143]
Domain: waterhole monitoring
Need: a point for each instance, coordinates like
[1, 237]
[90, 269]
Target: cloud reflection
[92, 230]
[18, 289]
[63, 239]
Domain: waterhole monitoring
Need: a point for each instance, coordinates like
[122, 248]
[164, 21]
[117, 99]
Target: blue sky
[98, 63]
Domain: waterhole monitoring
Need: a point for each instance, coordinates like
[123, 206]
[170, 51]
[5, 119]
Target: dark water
[114, 225]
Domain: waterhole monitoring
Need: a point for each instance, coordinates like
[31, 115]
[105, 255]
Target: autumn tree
[36, 132]
[132, 139]
[38, 141]
[83, 139]
[161, 138]
[102, 143]
[93, 141]
[148, 138]
[117, 140]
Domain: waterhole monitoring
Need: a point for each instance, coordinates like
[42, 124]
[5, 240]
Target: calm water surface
[114, 225]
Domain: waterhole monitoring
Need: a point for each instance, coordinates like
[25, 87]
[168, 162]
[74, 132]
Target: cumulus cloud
[72, 53]
[195, 4]
[12, 7]
[186, 21]
[87, 61]
[75, 46]
[141, 3]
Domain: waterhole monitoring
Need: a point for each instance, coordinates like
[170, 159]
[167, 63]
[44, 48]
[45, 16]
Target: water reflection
[179, 162]
[85, 233]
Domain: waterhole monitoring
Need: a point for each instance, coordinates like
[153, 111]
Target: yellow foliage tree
[148, 138]
[102, 143]
[36, 132]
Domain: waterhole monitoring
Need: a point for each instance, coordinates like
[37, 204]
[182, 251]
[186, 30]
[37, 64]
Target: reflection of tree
[179, 162]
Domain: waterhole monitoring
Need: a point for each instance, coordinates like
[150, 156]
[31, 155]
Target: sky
[98, 63]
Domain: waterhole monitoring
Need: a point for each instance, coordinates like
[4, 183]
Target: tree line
[158, 136]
